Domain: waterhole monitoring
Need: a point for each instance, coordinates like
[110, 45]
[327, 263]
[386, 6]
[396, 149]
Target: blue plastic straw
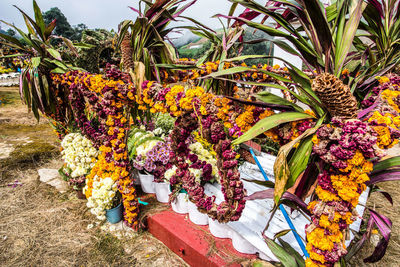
[142, 202]
[282, 208]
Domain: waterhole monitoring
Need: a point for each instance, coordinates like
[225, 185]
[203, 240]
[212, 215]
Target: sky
[106, 14]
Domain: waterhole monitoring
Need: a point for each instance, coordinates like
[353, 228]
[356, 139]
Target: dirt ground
[41, 227]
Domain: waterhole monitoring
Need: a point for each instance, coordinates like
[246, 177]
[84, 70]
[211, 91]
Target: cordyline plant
[324, 40]
[324, 47]
[378, 40]
[144, 42]
[222, 48]
[35, 81]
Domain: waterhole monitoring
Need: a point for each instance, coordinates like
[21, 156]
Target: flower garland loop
[232, 187]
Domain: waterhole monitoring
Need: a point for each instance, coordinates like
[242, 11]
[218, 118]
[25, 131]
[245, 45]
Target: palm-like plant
[322, 39]
[144, 40]
[35, 83]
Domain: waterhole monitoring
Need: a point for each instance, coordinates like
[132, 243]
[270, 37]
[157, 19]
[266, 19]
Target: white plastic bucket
[242, 245]
[180, 204]
[146, 181]
[217, 229]
[162, 192]
[195, 215]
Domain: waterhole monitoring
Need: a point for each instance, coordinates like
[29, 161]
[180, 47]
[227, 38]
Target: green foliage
[36, 88]
[269, 123]
[11, 32]
[165, 122]
[255, 43]
[195, 53]
[285, 258]
[92, 47]
[269, 146]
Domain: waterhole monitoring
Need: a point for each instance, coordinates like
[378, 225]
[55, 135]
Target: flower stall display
[181, 132]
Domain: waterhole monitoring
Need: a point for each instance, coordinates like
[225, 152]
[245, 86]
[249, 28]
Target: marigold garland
[347, 150]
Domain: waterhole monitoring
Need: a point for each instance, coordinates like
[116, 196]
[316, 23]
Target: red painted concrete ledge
[194, 243]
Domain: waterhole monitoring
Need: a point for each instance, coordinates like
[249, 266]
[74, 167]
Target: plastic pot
[195, 215]
[114, 215]
[162, 192]
[242, 245]
[217, 229]
[180, 204]
[147, 184]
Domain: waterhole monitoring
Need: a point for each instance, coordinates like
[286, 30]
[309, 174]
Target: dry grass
[40, 227]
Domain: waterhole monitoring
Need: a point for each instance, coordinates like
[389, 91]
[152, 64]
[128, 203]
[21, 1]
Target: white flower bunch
[103, 192]
[158, 131]
[146, 147]
[205, 155]
[196, 173]
[170, 172]
[79, 154]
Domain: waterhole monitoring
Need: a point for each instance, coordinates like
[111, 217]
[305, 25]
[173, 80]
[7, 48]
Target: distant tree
[63, 28]
[259, 48]
[11, 32]
[195, 53]
[78, 29]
